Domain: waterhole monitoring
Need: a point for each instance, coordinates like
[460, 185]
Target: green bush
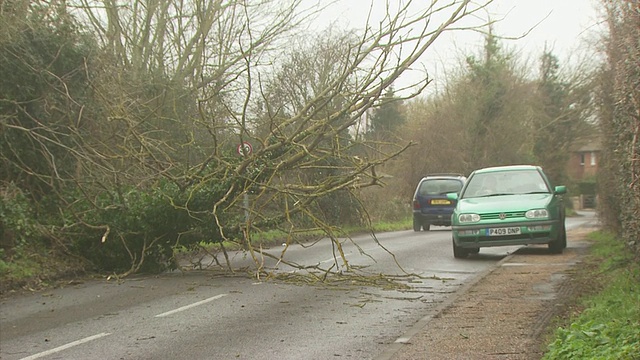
[17, 222]
[145, 225]
[20, 236]
[587, 187]
[608, 327]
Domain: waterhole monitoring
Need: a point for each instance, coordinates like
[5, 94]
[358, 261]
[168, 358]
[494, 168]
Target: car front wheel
[556, 246]
[459, 252]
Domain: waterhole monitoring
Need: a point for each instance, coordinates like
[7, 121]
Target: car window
[439, 186]
[506, 182]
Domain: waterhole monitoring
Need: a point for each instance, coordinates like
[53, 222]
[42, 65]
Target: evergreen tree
[553, 134]
[559, 122]
[489, 99]
[387, 118]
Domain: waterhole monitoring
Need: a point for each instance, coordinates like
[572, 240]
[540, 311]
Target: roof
[444, 175]
[587, 145]
[507, 168]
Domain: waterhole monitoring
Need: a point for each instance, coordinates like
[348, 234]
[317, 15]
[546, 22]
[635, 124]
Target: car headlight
[537, 214]
[468, 218]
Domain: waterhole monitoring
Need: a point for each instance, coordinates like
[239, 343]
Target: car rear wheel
[459, 252]
[426, 226]
[416, 225]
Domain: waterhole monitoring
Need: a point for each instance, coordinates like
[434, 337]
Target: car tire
[556, 246]
[459, 252]
[474, 251]
[426, 226]
[416, 226]
[564, 237]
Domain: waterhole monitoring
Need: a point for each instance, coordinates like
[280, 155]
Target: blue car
[430, 203]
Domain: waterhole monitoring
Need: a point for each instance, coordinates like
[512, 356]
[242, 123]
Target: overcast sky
[565, 26]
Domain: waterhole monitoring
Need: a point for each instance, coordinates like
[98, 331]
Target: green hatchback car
[508, 205]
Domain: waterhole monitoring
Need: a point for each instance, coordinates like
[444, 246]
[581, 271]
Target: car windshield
[505, 183]
[439, 186]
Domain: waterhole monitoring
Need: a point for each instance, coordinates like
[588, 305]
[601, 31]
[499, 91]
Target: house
[582, 169]
[583, 162]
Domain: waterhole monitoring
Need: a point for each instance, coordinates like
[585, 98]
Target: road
[204, 315]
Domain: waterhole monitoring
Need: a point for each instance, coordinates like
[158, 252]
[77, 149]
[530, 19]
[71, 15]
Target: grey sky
[565, 26]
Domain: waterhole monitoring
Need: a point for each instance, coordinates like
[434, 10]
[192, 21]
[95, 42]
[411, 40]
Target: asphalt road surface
[206, 315]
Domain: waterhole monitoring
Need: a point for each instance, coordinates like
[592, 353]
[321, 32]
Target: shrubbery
[17, 220]
[25, 245]
[608, 328]
[139, 228]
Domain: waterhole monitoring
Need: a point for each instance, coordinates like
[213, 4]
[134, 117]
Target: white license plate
[503, 231]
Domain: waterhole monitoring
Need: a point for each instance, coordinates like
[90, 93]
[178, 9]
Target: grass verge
[275, 237]
[608, 324]
[271, 238]
[38, 268]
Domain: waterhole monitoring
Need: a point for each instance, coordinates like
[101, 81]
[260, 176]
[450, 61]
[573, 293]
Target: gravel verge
[507, 313]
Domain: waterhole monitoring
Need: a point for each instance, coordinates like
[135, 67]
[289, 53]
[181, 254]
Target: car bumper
[531, 232]
[442, 219]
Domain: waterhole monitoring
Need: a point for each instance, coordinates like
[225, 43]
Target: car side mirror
[452, 196]
[561, 189]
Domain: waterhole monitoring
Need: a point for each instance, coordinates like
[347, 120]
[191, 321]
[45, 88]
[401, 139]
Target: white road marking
[191, 305]
[64, 347]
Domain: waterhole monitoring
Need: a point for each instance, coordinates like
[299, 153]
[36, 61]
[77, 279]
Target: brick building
[582, 168]
[583, 162]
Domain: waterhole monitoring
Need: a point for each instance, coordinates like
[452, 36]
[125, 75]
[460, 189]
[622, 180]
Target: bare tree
[178, 85]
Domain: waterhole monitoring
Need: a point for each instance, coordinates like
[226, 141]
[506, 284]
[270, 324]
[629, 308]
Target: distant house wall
[583, 164]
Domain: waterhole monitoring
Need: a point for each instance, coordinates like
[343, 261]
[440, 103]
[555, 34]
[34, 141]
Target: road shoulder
[505, 313]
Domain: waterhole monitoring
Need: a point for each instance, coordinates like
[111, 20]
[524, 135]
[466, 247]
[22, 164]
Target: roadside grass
[277, 237]
[14, 270]
[570, 212]
[37, 269]
[608, 326]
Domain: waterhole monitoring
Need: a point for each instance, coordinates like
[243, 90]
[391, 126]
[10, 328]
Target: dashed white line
[64, 347]
[191, 305]
[402, 340]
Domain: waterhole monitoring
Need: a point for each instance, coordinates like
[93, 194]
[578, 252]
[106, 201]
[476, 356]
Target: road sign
[245, 148]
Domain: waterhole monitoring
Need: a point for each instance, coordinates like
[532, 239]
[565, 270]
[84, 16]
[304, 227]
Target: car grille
[538, 235]
[507, 215]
